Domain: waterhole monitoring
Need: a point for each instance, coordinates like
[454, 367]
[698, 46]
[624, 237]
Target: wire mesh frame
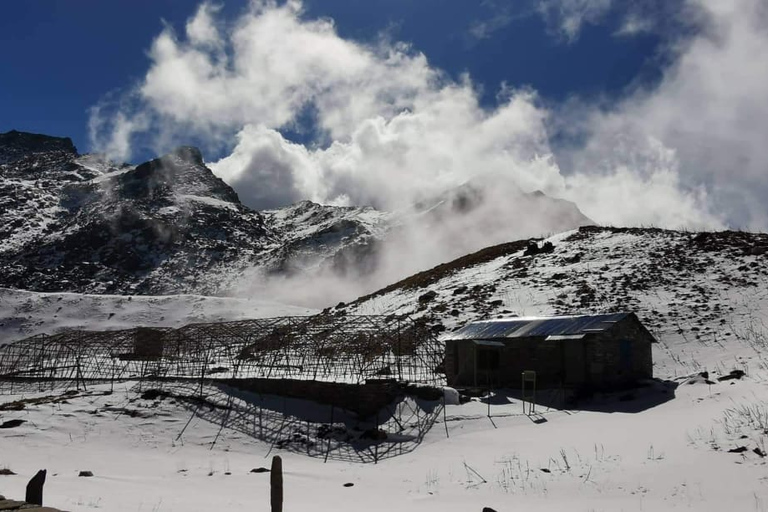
[349, 349]
[404, 423]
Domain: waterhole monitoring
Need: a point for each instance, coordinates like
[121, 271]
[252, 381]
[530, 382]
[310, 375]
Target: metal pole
[376, 446]
[399, 353]
[445, 416]
[523, 394]
[489, 401]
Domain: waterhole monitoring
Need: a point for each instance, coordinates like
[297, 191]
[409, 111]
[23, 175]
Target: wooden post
[35, 489]
[202, 375]
[112, 378]
[276, 484]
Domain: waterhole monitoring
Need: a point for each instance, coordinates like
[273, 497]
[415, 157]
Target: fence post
[276, 484]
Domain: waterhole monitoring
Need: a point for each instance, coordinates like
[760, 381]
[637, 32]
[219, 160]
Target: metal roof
[488, 343]
[523, 327]
[563, 337]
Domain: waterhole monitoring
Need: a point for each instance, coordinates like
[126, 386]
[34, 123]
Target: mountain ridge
[80, 223]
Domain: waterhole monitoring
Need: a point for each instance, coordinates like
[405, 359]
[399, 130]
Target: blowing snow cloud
[389, 129]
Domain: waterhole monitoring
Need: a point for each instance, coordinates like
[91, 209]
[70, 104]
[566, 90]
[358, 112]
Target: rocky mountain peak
[189, 154]
[15, 144]
[182, 171]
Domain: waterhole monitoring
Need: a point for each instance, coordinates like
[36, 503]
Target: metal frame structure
[194, 362]
[349, 349]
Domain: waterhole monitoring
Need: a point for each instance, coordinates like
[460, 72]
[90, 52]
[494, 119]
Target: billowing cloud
[394, 162]
[388, 129]
[270, 65]
[709, 110]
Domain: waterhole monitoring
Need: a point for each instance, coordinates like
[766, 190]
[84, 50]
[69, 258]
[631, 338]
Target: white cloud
[642, 189]
[201, 29]
[710, 108]
[399, 130]
[569, 16]
[110, 131]
[277, 64]
[634, 24]
[485, 28]
[667, 18]
[687, 152]
[396, 161]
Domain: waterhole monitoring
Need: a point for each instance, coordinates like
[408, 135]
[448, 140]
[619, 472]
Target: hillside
[706, 291]
[24, 314]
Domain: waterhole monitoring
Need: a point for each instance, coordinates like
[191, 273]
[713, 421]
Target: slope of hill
[24, 314]
[310, 236]
[703, 290]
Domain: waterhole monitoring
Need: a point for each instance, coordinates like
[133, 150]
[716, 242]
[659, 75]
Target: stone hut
[581, 351]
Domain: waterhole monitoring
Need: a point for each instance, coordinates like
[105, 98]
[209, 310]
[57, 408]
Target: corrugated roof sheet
[535, 326]
[488, 343]
[563, 337]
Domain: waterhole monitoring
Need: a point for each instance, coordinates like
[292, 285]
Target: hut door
[573, 362]
[625, 355]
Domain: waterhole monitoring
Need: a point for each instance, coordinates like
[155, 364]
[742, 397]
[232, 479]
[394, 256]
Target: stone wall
[610, 364]
[365, 400]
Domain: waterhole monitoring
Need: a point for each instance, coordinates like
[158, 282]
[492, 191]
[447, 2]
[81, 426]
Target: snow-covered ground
[648, 450]
[24, 314]
[669, 457]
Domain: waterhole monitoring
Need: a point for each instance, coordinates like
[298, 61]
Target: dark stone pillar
[35, 489]
[276, 484]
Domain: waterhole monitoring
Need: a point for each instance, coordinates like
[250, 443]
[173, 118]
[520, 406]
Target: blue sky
[63, 57]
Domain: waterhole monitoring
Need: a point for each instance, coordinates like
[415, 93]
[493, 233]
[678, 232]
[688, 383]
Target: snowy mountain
[80, 223]
[310, 235]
